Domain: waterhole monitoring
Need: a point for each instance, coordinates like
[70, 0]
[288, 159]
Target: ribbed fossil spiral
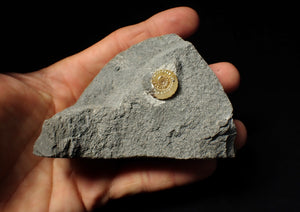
[165, 83]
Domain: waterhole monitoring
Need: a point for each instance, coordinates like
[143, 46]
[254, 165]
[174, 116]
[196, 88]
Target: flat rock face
[118, 117]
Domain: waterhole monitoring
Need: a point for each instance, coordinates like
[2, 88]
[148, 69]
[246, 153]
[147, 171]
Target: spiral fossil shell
[165, 83]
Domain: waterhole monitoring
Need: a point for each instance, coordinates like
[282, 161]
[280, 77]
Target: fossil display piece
[159, 98]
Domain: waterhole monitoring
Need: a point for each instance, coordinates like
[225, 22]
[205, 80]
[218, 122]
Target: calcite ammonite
[165, 83]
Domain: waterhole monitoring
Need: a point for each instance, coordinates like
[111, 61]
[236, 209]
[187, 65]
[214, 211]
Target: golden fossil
[164, 83]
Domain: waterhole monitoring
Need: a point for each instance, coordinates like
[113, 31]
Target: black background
[259, 38]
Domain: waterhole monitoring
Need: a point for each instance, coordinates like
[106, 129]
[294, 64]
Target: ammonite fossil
[165, 83]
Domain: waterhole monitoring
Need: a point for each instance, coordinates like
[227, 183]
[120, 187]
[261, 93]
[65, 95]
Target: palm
[27, 100]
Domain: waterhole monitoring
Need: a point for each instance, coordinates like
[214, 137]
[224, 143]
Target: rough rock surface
[117, 117]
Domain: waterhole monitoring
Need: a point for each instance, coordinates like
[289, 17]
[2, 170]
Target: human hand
[31, 183]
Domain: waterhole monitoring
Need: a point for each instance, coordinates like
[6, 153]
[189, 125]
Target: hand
[30, 183]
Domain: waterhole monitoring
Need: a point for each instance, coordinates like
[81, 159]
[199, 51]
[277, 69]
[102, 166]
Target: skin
[31, 183]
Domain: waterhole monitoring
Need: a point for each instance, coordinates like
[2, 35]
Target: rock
[117, 116]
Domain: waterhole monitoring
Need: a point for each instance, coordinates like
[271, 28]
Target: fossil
[165, 83]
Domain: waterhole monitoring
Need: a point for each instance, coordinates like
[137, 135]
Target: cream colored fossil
[165, 83]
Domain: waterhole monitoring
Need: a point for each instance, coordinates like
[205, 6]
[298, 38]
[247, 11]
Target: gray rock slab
[117, 117]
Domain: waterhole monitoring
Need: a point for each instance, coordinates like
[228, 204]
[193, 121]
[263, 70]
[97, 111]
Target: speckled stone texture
[117, 117]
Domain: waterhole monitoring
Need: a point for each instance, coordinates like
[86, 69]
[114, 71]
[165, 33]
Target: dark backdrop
[259, 38]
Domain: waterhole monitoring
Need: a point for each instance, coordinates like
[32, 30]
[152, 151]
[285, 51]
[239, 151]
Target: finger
[229, 77]
[78, 70]
[241, 136]
[182, 21]
[148, 176]
[227, 74]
